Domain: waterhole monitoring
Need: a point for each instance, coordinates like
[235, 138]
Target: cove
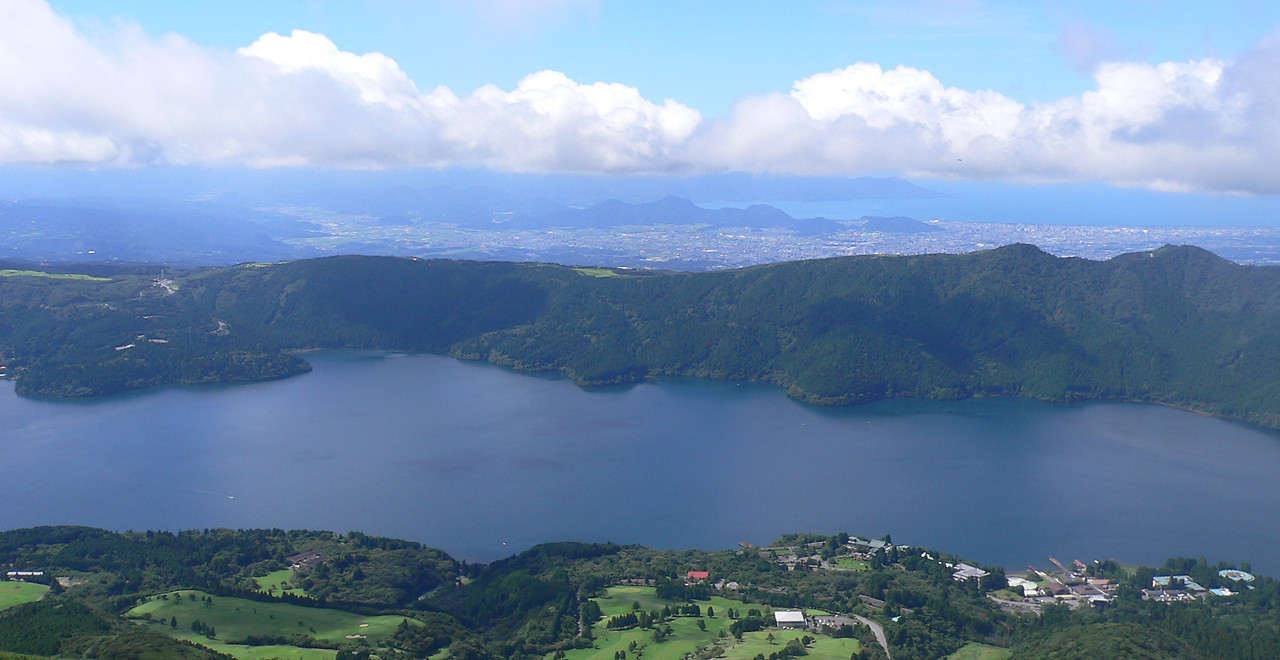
[484, 462]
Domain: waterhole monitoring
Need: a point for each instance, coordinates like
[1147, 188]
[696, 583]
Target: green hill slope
[1177, 325]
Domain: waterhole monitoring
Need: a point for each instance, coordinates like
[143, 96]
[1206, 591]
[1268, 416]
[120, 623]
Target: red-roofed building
[699, 575]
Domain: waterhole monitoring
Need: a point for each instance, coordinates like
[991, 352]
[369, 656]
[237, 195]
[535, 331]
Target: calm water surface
[484, 462]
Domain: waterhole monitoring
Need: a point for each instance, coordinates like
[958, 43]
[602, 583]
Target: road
[878, 631]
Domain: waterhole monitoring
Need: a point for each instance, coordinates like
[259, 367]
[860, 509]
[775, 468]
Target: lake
[484, 462]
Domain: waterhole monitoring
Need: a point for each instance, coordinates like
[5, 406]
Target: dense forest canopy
[1177, 325]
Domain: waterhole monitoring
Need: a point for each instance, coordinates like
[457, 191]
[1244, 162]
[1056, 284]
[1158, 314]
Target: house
[789, 619]
[698, 576]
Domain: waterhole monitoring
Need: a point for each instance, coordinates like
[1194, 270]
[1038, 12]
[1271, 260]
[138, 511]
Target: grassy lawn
[9, 272]
[976, 651]
[850, 564]
[597, 272]
[236, 618]
[686, 637]
[242, 652]
[757, 643]
[17, 593]
[271, 583]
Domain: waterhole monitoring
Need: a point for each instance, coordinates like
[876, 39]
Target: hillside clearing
[17, 593]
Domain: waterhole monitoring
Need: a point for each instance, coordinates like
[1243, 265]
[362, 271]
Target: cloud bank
[130, 99]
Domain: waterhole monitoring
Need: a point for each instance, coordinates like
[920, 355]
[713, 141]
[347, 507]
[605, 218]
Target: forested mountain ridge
[1177, 325]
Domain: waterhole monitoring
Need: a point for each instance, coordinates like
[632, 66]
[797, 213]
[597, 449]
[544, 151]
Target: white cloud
[299, 99]
[296, 100]
[1202, 125]
[377, 77]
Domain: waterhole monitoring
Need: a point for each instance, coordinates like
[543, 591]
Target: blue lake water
[484, 462]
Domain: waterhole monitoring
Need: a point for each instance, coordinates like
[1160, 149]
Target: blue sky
[710, 53]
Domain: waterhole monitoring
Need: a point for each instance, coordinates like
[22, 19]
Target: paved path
[878, 631]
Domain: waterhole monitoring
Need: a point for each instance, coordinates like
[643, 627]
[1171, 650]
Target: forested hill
[1177, 325]
[221, 594]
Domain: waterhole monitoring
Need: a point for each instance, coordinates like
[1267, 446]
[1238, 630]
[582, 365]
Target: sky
[709, 54]
[1166, 96]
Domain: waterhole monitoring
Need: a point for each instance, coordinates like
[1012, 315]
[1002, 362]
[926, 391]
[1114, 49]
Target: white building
[789, 618]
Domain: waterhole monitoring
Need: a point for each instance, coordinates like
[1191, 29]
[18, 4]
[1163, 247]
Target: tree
[769, 638]
[702, 625]
[173, 622]
[711, 612]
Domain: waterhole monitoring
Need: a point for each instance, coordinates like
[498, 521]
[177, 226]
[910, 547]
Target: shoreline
[650, 377]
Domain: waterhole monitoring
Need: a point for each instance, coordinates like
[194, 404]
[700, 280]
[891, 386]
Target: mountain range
[1178, 326]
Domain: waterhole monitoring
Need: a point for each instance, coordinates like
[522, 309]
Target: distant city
[672, 223]
[685, 247]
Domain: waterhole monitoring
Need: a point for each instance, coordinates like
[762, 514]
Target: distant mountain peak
[674, 210]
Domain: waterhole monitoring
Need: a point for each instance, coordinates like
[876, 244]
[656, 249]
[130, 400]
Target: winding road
[878, 631]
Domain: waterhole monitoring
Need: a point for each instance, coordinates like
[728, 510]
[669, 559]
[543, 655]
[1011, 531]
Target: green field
[237, 618]
[686, 637]
[9, 272]
[17, 593]
[976, 651]
[850, 564]
[272, 583]
[597, 272]
[825, 648]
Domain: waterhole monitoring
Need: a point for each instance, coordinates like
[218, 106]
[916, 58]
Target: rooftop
[788, 616]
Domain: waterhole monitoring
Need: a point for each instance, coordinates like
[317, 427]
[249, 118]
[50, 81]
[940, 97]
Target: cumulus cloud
[298, 99]
[1201, 125]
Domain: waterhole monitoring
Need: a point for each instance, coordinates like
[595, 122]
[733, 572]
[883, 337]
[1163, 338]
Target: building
[789, 619]
[306, 559]
[1164, 582]
[1237, 576]
[698, 576]
[966, 572]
